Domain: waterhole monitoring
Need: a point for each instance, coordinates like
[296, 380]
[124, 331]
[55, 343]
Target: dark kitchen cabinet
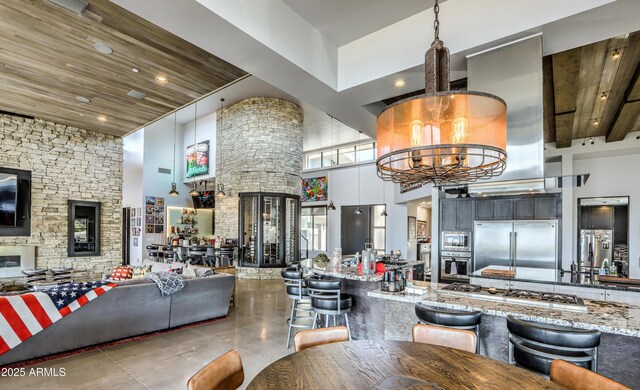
[484, 209]
[596, 217]
[621, 224]
[547, 208]
[503, 209]
[523, 208]
[457, 214]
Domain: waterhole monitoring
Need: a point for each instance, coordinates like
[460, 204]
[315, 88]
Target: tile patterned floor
[256, 328]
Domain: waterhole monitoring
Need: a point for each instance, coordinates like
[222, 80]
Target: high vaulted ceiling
[47, 59]
[593, 91]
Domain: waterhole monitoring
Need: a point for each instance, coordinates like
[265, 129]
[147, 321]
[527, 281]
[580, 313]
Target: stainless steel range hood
[514, 72]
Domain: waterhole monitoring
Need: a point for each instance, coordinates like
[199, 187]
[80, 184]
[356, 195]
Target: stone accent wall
[258, 149]
[65, 163]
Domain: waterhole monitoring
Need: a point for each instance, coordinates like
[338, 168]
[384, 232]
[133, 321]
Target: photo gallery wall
[154, 214]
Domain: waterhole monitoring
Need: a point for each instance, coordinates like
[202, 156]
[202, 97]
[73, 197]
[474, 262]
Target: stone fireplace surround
[65, 163]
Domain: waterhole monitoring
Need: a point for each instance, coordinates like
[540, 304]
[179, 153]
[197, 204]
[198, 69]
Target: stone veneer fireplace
[15, 258]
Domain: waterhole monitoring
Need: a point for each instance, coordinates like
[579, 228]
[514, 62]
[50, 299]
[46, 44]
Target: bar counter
[618, 322]
[366, 312]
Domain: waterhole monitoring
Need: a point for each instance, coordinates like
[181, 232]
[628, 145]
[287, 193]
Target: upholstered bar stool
[297, 292]
[456, 319]
[534, 346]
[327, 299]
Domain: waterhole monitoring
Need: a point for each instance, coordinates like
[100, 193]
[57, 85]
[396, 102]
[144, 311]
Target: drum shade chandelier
[442, 137]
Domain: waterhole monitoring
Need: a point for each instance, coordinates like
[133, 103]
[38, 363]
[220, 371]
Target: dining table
[373, 364]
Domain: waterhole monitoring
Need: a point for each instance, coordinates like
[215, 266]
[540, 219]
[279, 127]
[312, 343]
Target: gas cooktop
[519, 297]
[465, 287]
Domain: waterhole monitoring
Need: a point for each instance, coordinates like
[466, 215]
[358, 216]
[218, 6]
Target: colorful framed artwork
[411, 228]
[421, 229]
[198, 159]
[150, 200]
[315, 189]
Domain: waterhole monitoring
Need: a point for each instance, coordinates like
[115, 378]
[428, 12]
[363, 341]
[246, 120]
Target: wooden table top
[368, 364]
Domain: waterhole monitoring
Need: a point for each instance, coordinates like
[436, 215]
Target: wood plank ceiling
[593, 91]
[47, 60]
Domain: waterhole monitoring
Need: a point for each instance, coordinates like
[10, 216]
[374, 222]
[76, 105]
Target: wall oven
[455, 265]
[456, 241]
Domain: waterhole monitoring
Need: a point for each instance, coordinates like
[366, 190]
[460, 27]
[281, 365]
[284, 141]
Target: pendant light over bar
[443, 136]
[331, 206]
[174, 187]
[355, 158]
[220, 193]
[194, 190]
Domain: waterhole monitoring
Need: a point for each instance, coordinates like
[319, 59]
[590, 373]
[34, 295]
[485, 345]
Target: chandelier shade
[445, 137]
[442, 137]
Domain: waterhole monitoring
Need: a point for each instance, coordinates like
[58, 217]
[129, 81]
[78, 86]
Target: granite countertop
[608, 317]
[547, 276]
[343, 272]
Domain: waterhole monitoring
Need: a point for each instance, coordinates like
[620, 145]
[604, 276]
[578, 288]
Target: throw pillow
[121, 273]
[140, 272]
[188, 271]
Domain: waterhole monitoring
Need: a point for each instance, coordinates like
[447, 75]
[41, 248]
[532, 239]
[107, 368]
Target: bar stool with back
[456, 319]
[327, 299]
[297, 292]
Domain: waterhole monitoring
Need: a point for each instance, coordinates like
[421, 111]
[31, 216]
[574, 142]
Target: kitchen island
[364, 319]
[618, 322]
[559, 282]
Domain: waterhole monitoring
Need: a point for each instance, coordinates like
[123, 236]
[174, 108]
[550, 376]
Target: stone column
[258, 149]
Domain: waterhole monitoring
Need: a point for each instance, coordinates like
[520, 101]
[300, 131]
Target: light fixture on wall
[384, 202]
[194, 189]
[220, 193]
[331, 207]
[443, 136]
[174, 190]
[220, 187]
[355, 158]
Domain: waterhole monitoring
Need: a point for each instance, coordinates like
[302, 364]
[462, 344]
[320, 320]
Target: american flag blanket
[22, 316]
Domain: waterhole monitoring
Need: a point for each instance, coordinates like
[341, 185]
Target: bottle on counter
[574, 268]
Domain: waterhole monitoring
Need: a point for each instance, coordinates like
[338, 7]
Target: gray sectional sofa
[129, 310]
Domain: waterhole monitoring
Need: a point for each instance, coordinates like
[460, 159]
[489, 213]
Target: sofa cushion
[121, 273]
[140, 272]
[131, 282]
[157, 266]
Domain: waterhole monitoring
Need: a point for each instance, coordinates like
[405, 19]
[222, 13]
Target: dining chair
[456, 319]
[533, 345]
[314, 337]
[225, 372]
[461, 339]
[577, 378]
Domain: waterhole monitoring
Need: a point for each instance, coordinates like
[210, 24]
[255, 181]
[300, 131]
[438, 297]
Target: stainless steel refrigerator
[530, 244]
[595, 246]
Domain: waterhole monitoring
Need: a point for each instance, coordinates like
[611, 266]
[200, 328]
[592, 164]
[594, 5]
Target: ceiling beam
[621, 89]
[592, 59]
[566, 67]
[628, 119]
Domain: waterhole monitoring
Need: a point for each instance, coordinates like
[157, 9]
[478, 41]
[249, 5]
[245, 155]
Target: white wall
[614, 172]
[206, 132]
[343, 191]
[133, 146]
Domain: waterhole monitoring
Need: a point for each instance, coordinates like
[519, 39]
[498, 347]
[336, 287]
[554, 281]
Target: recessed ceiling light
[102, 118]
[603, 96]
[616, 54]
[102, 48]
[83, 99]
[162, 79]
[135, 70]
[81, 114]
[596, 122]
[399, 83]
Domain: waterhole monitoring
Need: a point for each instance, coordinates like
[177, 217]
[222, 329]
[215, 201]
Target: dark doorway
[355, 229]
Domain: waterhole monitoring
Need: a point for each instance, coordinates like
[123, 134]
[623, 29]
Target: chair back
[461, 339]
[294, 282]
[225, 372]
[448, 317]
[314, 337]
[324, 289]
[577, 378]
[553, 335]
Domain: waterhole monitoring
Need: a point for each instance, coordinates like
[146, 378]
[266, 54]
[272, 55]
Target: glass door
[249, 227]
[271, 229]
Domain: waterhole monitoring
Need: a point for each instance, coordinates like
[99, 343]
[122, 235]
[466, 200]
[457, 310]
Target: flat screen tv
[204, 200]
[8, 199]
